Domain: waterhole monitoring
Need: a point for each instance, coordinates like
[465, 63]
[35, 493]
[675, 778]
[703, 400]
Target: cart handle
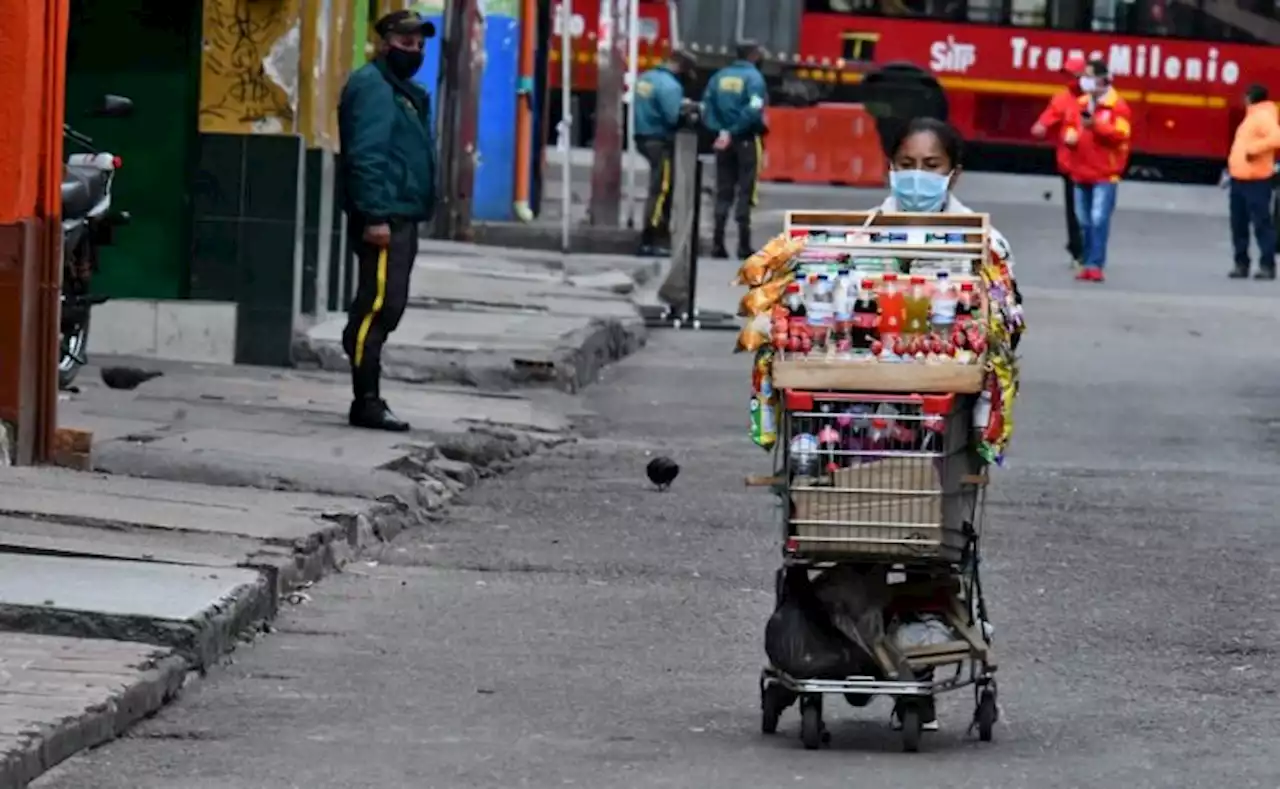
[795, 400]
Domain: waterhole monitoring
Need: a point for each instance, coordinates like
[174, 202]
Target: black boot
[1239, 271]
[745, 250]
[1265, 273]
[718, 249]
[368, 409]
[372, 413]
[646, 243]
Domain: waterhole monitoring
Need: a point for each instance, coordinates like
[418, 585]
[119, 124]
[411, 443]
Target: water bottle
[942, 312]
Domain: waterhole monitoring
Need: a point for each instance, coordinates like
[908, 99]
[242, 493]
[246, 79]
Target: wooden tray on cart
[818, 375]
[903, 236]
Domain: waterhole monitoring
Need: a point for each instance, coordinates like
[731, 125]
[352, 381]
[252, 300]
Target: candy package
[763, 298]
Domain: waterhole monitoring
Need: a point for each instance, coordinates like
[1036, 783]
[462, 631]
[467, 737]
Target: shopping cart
[891, 482]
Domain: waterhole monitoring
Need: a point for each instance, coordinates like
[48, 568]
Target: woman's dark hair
[947, 135]
[1256, 94]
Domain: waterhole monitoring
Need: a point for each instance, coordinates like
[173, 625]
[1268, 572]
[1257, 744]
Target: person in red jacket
[1098, 137]
[1061, 110]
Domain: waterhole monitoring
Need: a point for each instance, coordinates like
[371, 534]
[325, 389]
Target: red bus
[1183, 65]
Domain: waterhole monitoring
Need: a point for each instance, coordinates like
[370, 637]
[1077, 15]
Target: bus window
[912, 9]
[1247, 21]
[1028, 13]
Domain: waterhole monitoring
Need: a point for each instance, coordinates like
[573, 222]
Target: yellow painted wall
[277, 66]
[249, 66]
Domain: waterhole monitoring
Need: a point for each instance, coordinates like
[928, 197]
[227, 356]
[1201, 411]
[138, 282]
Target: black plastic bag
[800, 639]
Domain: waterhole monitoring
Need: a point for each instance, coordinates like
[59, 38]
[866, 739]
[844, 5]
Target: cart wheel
[986, 715]
[811, 733]
[772, 703]
[912, 728]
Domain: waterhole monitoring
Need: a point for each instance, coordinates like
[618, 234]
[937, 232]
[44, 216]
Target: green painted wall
[148, 51]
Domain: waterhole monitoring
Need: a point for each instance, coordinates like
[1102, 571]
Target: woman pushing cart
[884, 379]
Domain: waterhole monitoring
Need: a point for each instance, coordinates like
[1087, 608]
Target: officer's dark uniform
[734, 102]
[659, 96]
[388, 171]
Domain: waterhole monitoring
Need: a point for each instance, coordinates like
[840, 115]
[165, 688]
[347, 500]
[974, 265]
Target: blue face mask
[919, 191]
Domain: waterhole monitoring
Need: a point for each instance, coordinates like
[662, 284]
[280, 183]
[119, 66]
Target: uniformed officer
[733, 108]
[389, 171]
[660, 102]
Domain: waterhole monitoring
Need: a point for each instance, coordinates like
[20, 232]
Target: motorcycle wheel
[71, 353]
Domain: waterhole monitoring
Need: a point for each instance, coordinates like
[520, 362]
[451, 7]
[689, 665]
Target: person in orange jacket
[1062, 108]
[1098, 136]
[1252, 165]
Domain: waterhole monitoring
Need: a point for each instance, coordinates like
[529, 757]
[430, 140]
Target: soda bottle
[916, 303]
[892, 312]
[863, 332]
[966, 304]
[942, 311]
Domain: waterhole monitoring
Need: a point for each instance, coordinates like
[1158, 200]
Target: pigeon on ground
[127, 377]
[662, 472]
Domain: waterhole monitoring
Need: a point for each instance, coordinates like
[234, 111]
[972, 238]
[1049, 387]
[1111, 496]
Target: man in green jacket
[388, 174]
[733, 108]
[660, 106]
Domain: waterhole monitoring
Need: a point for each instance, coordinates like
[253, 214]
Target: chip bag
[762, 299]
[755, 335]
[764, 401]
[772, 258]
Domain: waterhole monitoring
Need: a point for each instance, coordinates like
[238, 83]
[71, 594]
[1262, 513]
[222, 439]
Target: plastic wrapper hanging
[762, 299]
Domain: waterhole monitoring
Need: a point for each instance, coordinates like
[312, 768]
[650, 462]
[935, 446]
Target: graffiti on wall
[249, 72]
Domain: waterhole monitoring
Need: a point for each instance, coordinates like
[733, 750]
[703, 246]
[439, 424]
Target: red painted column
[33, 36]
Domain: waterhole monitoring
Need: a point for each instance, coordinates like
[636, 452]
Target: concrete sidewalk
[502, 319]
[217, 495]
[59, 696]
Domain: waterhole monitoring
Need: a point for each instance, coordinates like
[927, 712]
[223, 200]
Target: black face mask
[403, 63]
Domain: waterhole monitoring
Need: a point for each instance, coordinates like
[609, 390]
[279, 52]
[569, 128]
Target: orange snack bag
[755, 335]
[762, 299]
[772, 258]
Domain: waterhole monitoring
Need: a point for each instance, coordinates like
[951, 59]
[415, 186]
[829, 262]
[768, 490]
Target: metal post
[693, 248]
[605, 208]
[566, 121]
[740, 27]
[462, 53]
[633, 68]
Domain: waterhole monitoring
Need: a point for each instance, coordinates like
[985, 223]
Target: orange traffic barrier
[824, 144]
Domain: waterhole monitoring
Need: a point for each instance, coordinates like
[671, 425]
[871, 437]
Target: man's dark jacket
[388, 149]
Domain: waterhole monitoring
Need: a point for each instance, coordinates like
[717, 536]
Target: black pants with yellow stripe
[658, 152]
[382, 293]
[737, 179]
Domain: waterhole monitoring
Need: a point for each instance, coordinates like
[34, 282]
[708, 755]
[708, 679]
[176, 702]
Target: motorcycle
[88, 224]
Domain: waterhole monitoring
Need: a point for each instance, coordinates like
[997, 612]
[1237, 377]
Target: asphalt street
[569, 626]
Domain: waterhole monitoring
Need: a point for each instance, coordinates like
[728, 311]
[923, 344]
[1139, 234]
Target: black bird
[127, 377]
[662, 472]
